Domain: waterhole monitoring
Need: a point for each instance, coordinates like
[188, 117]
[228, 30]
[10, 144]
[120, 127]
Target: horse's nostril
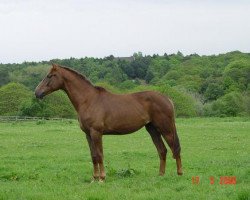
[39, 95]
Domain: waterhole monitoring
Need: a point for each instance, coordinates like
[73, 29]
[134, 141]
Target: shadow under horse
[103, 113]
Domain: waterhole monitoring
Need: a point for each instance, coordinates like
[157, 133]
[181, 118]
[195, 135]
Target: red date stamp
[223, 180]
[228, 180]
[195, 180]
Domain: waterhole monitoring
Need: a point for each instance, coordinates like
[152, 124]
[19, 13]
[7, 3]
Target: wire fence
[26, 118]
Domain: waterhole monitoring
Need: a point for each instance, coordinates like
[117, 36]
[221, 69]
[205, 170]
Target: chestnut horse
[103, 113]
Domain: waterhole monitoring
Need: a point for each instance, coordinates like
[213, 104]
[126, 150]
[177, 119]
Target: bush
[231, 104]
[246, 99]
[12, 96]
[128, 84]
[108, 87]
[53, 105]
[185, 105]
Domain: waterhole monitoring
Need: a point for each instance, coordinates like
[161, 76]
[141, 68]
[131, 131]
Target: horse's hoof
[101, 181]
[161, 173]
[94, 179]
[180, 173]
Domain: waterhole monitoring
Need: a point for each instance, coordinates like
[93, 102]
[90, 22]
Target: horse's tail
[176, 146]
[176, 143]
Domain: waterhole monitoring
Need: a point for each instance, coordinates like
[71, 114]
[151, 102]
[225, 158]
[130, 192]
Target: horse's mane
[77, 74]
[101, 89]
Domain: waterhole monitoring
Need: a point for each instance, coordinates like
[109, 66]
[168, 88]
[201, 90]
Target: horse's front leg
[96, 141]
[94, 161]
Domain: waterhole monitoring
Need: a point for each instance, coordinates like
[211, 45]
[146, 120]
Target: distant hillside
[214, 82]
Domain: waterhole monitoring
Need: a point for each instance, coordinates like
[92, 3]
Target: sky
[36, 30]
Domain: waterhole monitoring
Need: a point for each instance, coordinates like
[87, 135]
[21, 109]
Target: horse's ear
[54, 66]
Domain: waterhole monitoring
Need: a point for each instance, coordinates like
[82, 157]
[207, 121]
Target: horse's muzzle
[39, 95]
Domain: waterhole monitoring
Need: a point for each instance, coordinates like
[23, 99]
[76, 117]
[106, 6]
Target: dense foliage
[199, 85]
[12, 97]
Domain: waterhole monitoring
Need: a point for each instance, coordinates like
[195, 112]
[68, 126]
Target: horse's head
[52, 82]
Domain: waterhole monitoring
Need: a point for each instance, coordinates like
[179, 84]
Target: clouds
[42, 30]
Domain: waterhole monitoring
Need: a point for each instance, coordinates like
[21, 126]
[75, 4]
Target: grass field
[51, 160]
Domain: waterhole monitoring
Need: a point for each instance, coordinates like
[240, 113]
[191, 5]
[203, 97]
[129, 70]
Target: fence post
[26, 118]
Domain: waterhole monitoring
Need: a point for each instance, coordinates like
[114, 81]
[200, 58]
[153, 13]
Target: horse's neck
[79, 91]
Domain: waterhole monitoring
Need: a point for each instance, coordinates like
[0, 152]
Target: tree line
[216, 85]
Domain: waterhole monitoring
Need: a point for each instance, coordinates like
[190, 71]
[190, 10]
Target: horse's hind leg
[159, 144]
[173, 142]
[170, 135]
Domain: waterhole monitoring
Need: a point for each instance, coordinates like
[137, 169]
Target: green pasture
[51, 160]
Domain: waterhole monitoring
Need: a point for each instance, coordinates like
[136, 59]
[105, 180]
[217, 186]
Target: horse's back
[155, 100]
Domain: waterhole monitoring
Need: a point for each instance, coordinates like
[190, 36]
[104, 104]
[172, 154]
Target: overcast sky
[35, 30]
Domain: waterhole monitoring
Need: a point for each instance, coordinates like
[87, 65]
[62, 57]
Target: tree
[4, 75]
[213, 91]
[158, 67]
[149, 76]
[29, 76]
[239, 73]
[140, 65]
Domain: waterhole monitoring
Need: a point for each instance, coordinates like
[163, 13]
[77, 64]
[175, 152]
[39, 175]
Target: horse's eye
[50, 75]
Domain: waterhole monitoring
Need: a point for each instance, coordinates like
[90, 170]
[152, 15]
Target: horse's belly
[121, 131]
[125, 124]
